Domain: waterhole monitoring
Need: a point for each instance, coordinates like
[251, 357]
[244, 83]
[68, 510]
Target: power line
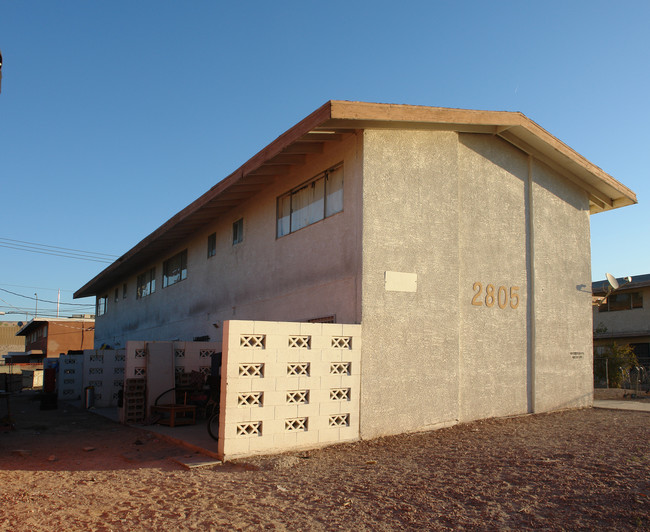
[44, 300]
[37, 287]
[44, 308]
[68, 256]
[21, 242]
[56, 251]
[46, 314]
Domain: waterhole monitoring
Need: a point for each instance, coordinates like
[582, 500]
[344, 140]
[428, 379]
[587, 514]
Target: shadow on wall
[503, 157]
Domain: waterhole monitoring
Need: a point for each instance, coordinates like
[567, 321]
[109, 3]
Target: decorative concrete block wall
[104, 371]
[288, 385]
[70, 378]
[144, 363]
[195, 356]
[188, 357]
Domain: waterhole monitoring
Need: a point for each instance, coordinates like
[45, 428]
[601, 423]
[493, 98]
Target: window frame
[169, 278]
[238, 231]
[307, 210]
[212, 245]
[635, 301]
[101, 305]
[145, 287]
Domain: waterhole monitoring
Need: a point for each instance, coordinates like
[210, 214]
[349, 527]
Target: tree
[615, 363]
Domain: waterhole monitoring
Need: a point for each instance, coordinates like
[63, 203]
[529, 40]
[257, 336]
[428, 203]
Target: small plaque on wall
[401, 282]
[577, 355]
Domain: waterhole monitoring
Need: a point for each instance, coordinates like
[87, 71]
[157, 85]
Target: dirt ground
[69, 469]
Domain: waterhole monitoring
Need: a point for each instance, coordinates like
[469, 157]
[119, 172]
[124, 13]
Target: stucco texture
[309, 274]
[410, 224]
[501, 313]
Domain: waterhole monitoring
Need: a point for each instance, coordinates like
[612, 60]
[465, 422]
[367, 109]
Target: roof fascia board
[420, 114]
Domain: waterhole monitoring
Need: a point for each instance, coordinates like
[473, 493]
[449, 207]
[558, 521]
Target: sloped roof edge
[605, 192]
[35, 322]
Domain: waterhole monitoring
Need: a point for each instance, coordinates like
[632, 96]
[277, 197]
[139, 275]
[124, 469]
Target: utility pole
[36, 310]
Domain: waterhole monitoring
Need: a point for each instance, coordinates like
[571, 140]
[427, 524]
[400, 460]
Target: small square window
[212, 245]
[124, 291]
[117, 295]
[238, 231]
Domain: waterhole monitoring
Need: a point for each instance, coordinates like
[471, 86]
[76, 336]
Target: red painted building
[50, 337]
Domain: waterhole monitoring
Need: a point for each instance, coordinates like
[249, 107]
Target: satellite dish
[612, 281]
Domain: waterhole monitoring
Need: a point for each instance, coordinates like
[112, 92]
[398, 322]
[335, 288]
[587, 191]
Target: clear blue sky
[116, 115]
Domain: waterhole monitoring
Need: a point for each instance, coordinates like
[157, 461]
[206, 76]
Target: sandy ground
[70, 469]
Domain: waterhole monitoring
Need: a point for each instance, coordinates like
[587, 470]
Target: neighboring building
[8, 339]
[50, 337]
[458, 239]
[624, 316]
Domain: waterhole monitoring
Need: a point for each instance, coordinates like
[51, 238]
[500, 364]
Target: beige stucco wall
[410, 372]
[563, 363]
[494, 237]
[308, 274]
[625, 321]
[467, 214]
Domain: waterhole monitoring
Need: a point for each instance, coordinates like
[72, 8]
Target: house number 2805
[501, 296]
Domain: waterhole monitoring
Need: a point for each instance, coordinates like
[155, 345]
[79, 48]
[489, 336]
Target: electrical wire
[23, 242]
[44, 300]
[56, 251]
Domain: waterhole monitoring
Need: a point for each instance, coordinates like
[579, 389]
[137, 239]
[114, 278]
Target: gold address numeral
[478, 288]
[502, 301]
[502, 296]
[514, 296]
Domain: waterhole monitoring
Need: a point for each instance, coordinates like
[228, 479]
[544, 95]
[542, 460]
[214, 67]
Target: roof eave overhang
[327, 123]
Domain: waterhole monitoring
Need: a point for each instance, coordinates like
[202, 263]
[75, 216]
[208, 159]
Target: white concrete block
[286, 412]
[332, 407]
[329, 435]
[308, 438]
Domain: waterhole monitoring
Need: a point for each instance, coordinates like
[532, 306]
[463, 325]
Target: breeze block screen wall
[288, 385]
[102, 369]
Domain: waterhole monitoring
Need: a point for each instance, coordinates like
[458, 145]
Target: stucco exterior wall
[492, 276]
[625, 321]
[410, 366]
[563, 363]
[308, 274]
[499, 320]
